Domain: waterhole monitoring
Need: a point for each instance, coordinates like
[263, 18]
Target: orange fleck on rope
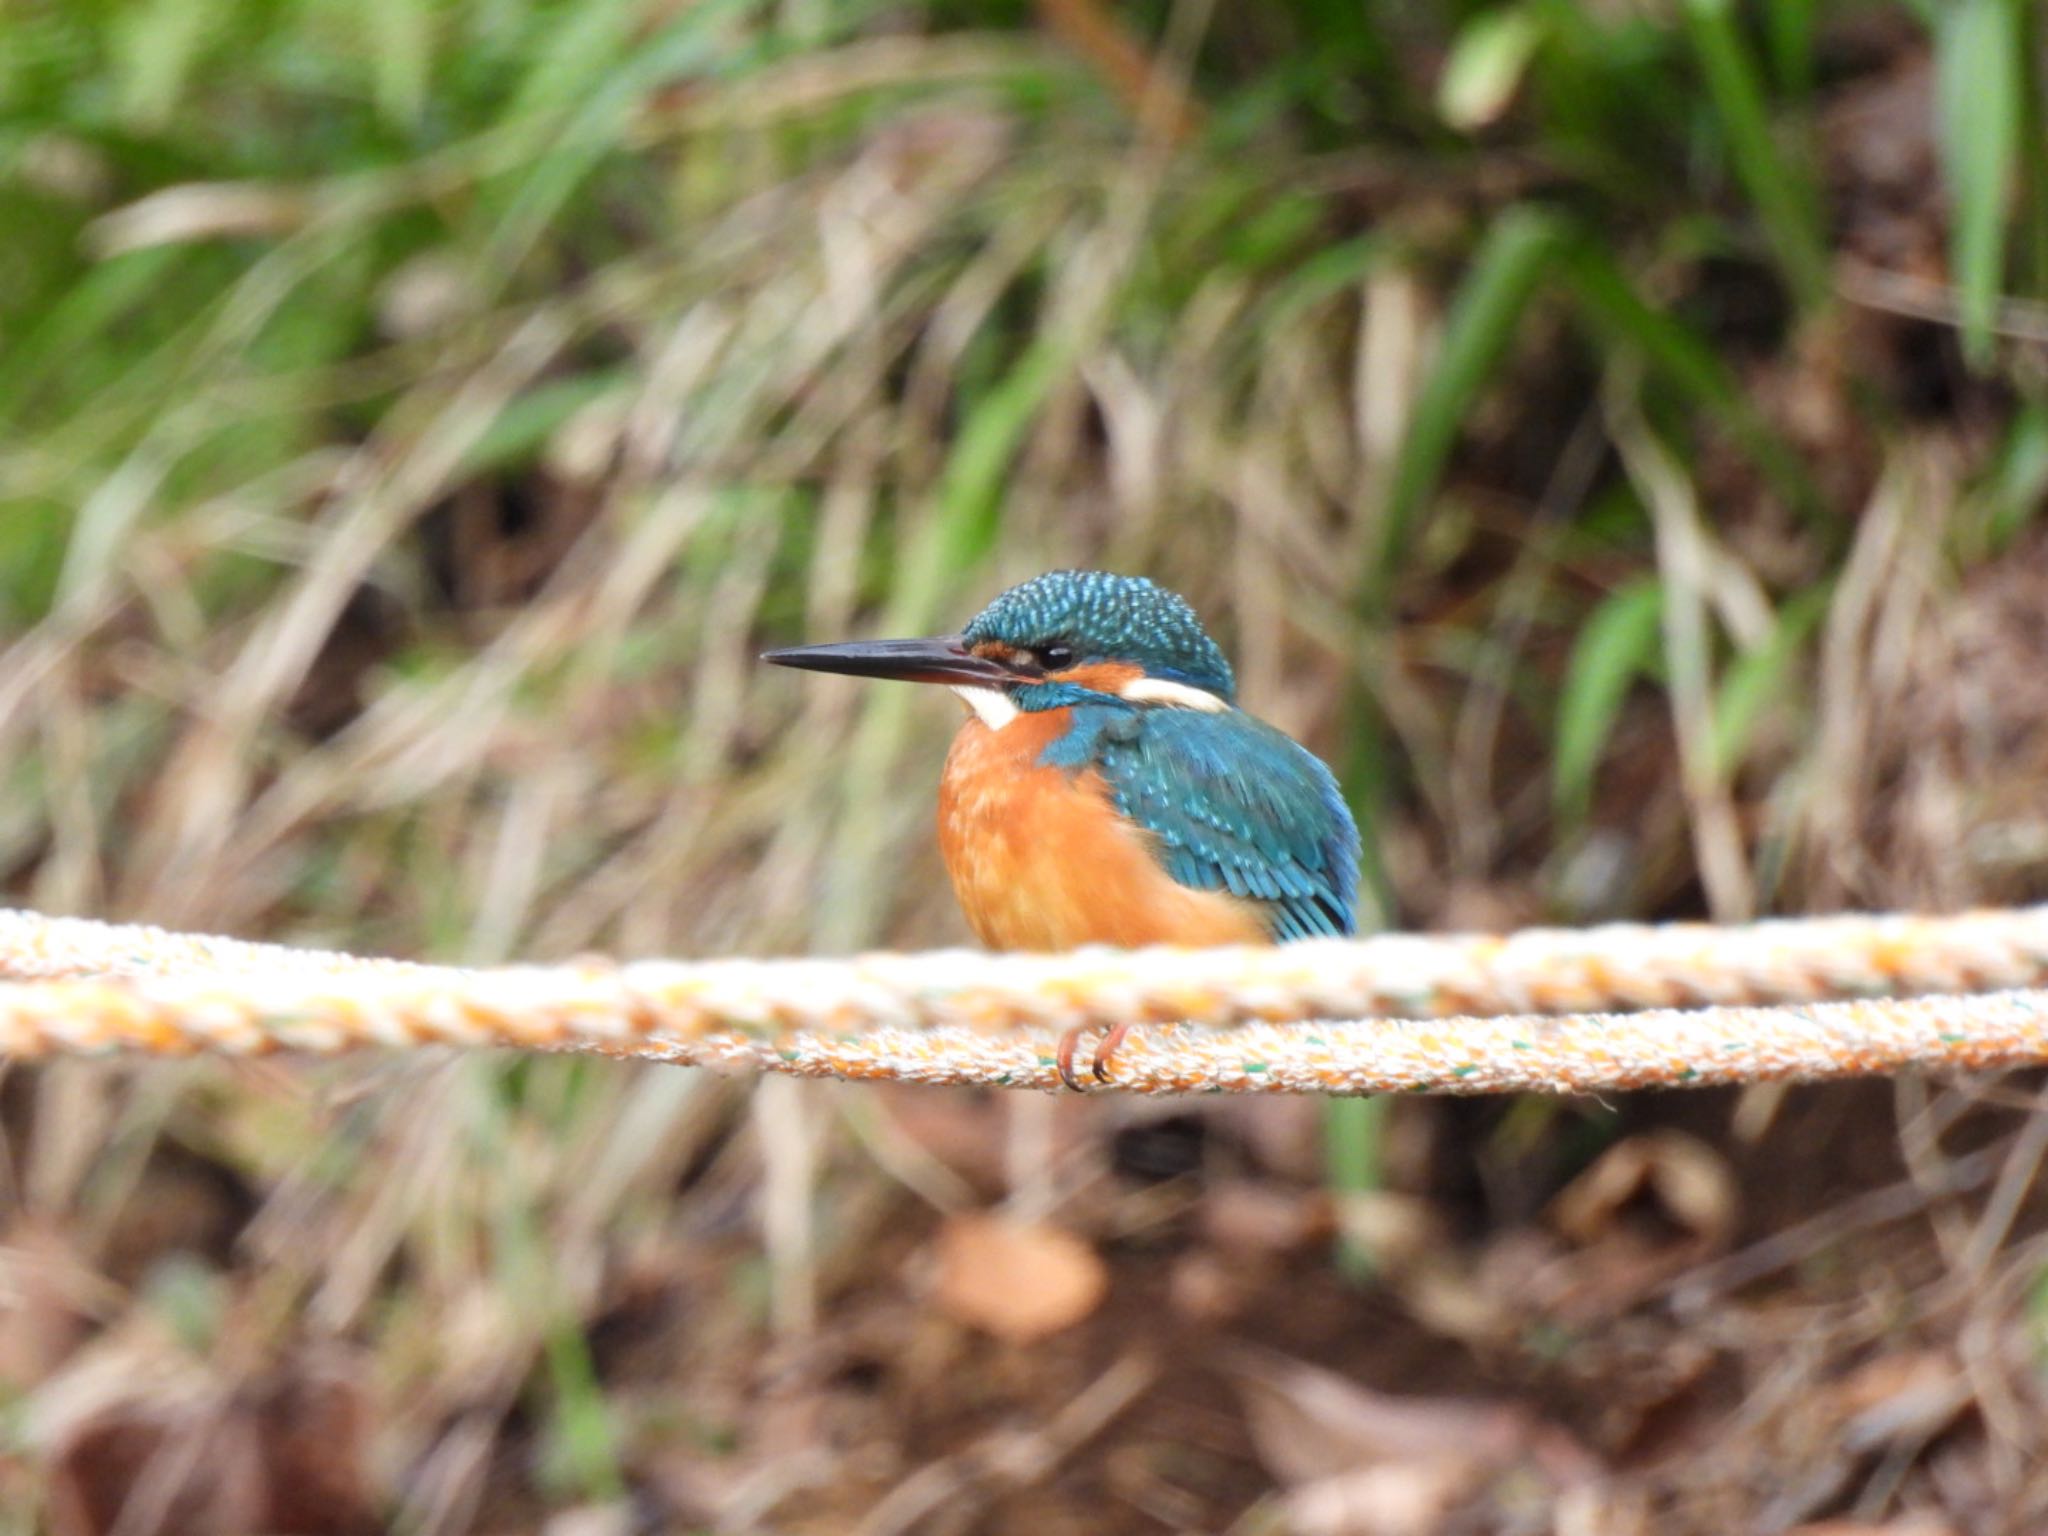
[1541, 1010]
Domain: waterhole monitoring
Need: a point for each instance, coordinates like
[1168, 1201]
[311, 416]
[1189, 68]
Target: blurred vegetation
[1614, 434]
[335, 336]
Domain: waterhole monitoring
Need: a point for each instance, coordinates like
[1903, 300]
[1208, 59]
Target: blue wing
[1235, 805]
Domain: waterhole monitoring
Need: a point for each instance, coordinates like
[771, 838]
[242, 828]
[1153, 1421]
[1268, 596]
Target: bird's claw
[1065, 1059]
[1098, 1066]
[1106, 1050]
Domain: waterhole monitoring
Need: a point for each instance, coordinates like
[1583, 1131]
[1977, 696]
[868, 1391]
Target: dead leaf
[1355, 1462]
[1308, 1424]
[1900, 1399]
[1017, 1281]
[1396, 1499]
[1396, 1229]
[1259, 1216]
[1204, 1289]
[1690, 1182]
[593, 1520]
[1434, 1277]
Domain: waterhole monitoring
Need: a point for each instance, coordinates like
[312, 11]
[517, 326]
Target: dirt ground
[1815, 1311]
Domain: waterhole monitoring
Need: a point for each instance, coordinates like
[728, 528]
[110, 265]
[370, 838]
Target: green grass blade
[1487, 61]
[1759, 678]
[2033, 170]
[1354, 1138]
[1507, 269]
[577, 105]
[1618, 645]
[1783, 194]
[2014, 493]
[528, 420]
[157, 48]
[1790, 38]
[1977, 100]
[584, 1440]
[402, 57]
[1687, 360]
[971, 489]
[585, 1445]
[1315, 279]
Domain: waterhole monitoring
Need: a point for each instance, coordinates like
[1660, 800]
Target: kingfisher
[1105, 788]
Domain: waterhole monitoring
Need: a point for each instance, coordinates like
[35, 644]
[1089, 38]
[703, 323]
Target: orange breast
[1042, 861]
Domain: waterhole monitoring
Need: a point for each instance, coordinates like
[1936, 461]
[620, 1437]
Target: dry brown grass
[442, 644]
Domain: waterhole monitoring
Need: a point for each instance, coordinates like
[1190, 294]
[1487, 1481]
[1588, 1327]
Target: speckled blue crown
[1108, 618]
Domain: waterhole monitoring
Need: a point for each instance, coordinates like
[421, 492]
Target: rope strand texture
[1392, 1013]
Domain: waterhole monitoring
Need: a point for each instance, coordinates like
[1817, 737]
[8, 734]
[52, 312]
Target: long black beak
[942, 659]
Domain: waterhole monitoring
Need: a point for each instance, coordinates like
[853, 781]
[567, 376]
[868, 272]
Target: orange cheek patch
[1100, 676]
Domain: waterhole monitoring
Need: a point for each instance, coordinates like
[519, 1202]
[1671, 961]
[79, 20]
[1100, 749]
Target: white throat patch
[1159, 690]
[991, 704]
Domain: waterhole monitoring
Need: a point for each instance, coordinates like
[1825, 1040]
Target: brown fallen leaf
[592, 1520]
[1393, 1499]
[1420, 1262]
[1690, 1182]
[1883, 1377]
[1205, 1289]
[1262, 1216]
[1309, 1424]
[1014, 1280]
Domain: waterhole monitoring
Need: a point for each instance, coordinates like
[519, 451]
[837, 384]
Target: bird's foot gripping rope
[1528, 1012]
[1098, 1066]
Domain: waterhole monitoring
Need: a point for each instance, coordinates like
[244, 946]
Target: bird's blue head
[1065, 637]
[1065, 621]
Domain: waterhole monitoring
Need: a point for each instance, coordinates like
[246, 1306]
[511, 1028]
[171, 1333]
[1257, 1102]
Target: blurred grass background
[1613, 434]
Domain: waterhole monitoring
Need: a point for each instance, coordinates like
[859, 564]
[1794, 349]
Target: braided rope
[1456, 1014]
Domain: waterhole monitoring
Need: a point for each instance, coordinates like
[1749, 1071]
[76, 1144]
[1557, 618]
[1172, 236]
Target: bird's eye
[1054, 658]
